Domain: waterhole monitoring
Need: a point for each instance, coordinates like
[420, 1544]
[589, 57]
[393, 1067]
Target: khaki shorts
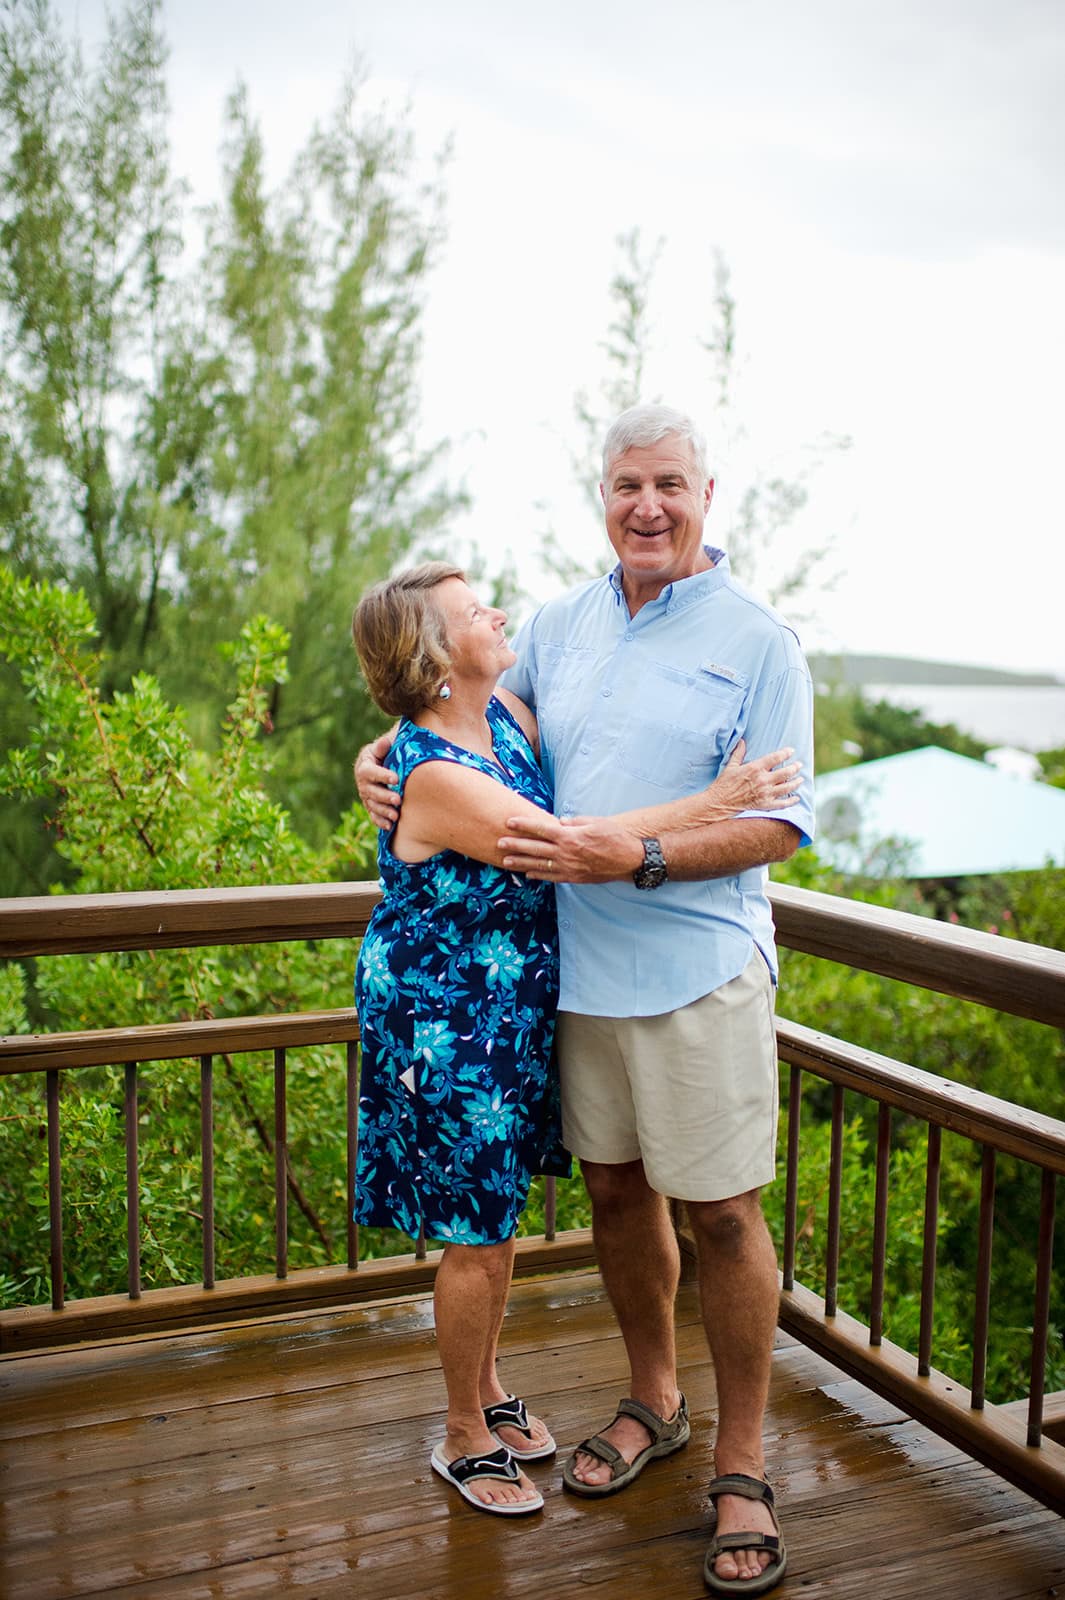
[693, 1093]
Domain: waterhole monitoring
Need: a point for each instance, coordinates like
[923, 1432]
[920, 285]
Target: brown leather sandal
[666, 1437]
[751, 1489]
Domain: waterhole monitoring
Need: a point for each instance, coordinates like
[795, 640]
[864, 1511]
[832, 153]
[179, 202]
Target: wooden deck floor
[290, 1457]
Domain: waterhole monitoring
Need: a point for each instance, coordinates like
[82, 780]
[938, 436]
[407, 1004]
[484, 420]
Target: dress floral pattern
[456, 988]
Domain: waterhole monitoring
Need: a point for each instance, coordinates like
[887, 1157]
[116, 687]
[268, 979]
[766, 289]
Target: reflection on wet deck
[291, 1456]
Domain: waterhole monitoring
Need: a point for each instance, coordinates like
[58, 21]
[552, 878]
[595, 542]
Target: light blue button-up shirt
[637, 710]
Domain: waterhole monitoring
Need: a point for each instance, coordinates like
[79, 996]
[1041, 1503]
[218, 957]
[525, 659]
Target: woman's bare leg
[468, 1301]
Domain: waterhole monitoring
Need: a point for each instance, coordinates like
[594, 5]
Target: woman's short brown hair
[401, 637]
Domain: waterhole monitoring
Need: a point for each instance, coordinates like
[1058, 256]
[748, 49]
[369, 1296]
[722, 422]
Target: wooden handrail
[1013, 1129]
[174, 1041]
[1022, 979]
[998, 1123]
[168, 919]
[1025, 980]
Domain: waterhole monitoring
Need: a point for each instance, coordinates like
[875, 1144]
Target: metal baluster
[281, 1163]
[419, 1243]
[352, 1147]
[550, 1207]
[133, 1209]
[55, 1188]
[880, 1210]
[207, 1166]
[791, 1196]
[1041, 1316]
[982, 1317]
[928, 1263]
[835, 1196]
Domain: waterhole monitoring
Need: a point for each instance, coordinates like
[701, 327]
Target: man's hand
[571, 849]
[376, 783]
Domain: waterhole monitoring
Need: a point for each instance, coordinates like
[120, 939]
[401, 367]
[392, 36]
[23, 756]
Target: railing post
[835, 1199]
[280, 1164]
[351, 1145]
[880, 1212]
[928, 1262]
[550, 1207]
[55, 1189]
[982, 1316]
[791, 1194]
[133, 1205]
[1041, 1315]
[207, 1166]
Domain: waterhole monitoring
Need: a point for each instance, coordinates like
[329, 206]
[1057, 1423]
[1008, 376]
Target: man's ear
[709, 495]
[602, 493]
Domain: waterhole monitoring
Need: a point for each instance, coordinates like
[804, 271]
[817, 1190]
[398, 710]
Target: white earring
[444, 691]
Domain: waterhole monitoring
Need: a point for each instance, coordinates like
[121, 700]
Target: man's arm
[606, 849]
[696, 844]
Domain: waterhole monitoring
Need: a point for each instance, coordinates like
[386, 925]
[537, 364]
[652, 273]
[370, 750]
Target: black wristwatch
[653, 872]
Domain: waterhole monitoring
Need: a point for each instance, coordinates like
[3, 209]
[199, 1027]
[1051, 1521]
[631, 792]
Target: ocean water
[1028, 717]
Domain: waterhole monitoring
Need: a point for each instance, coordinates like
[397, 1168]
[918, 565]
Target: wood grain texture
[189, 1306]
[1006, 974]
[291, 1457]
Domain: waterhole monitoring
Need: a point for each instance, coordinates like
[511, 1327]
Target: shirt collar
[686, 591]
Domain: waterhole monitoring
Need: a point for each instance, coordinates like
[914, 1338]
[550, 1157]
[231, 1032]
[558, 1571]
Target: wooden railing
[1003, 974]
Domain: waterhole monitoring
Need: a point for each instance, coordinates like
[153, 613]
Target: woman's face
[475, 635]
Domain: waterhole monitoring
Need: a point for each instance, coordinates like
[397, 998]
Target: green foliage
[1053, 765]
[1010, 1057]
[136, 806]
[849, 728]
[904, 1263]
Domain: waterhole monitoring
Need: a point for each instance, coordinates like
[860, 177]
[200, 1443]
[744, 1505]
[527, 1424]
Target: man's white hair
[645, 425]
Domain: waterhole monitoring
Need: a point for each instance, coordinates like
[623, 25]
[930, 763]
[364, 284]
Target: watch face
[649, 877]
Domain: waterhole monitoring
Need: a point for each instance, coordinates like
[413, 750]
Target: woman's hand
[376, 783]
[765, 784]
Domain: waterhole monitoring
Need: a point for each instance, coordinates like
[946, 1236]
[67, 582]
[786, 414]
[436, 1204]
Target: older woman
[456, 986]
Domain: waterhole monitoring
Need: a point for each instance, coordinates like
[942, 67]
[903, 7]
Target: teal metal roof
[932, 814]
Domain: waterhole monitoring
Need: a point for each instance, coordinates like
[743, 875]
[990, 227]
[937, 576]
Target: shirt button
[584, 749]
[563, 922]
[630, 637]
[607, 693]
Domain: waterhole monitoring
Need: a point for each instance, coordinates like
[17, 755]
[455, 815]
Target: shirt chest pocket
[562, 673]
[681, 726]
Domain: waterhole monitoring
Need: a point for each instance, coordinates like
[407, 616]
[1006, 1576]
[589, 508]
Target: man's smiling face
[655, 508]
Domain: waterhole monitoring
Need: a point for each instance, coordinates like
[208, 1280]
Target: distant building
[932, 814]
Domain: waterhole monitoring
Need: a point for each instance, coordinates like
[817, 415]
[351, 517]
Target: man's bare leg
[640, 1263]
[468, 1297]
[739, 1295]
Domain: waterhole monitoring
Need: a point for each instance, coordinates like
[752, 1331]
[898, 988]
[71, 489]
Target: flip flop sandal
[751, 1489]
[666, 1437]
[498, 1465]
[511, 1413]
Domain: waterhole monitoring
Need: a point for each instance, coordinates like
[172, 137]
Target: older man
[643, 683]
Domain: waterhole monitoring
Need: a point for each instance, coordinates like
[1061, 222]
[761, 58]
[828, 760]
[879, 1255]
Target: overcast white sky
[885, 183]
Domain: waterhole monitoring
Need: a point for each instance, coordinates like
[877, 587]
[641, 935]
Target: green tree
[195, 441]
[760, 538]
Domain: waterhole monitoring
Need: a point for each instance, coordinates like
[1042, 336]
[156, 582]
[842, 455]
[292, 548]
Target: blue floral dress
[456, 987]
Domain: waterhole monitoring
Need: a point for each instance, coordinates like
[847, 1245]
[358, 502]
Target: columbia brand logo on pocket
[721, 672]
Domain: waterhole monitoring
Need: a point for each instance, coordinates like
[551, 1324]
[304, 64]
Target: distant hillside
[859, 669]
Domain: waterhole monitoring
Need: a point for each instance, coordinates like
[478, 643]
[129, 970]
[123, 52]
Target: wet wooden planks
[291, 1457]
